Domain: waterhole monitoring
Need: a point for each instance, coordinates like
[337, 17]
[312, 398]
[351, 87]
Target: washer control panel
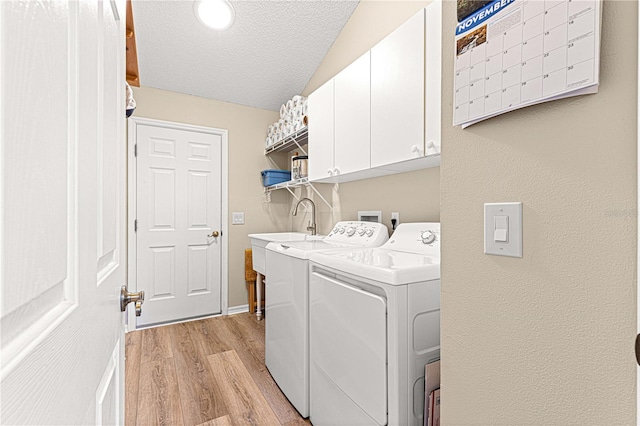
[359, 233]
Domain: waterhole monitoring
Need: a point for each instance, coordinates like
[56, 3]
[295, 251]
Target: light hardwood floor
[209, 372]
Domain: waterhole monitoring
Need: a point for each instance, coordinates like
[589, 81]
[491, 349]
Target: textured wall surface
[548, 338]
[247, 129]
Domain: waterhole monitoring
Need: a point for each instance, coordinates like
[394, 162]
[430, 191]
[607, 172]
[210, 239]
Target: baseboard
[231, 311]
[237, 309]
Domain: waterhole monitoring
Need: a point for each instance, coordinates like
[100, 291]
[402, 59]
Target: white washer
[374, 324]
[287, 303]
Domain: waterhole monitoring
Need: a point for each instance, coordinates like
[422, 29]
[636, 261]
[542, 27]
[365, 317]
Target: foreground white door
[62, 216]
[179, 227]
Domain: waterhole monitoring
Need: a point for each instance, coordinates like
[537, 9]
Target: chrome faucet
[312, 223]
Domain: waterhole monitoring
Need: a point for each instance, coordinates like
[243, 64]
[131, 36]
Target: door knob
[126, 298]
[214, 234]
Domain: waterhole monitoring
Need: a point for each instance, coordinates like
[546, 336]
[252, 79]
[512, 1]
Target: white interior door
[62, 216]
[179, 200]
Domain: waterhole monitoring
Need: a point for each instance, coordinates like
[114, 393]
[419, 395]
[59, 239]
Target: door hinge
[135, 225]
[135, 150]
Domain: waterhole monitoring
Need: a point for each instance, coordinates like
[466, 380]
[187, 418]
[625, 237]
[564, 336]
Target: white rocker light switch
[503, 229]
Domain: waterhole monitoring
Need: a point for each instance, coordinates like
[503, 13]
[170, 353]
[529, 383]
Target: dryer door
[348, 347]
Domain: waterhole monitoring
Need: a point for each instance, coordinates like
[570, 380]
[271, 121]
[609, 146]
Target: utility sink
[260, 241]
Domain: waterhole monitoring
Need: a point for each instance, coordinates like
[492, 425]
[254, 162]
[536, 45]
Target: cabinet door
[397, 94]
[321, 132]
[353, 117]
[433, 67]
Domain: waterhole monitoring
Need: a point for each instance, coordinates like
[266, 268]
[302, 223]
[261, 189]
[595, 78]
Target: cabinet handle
[336, 171]
[329, 172]
[432, 145]
[416, 150]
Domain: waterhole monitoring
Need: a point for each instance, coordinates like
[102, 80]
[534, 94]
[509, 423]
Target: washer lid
[380, 264]
[303, 249]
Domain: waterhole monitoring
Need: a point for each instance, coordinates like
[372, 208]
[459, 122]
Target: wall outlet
[396, 216]
[237, 218]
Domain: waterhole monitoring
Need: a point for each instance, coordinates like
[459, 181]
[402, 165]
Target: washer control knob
[361, 231]
[369, 232]
[428, 237]
[350, 231]
[341, 230]
[334, 230]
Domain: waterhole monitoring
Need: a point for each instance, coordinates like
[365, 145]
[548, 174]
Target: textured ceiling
[265, 58]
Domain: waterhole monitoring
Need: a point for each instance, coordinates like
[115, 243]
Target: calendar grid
[529, 51]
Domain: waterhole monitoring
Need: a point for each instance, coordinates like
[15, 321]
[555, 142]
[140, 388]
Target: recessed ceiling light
[217, 14]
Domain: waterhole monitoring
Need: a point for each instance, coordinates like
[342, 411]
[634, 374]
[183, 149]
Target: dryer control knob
[341, 230]
[428, 237]
[361, 231]
[369, 232]
[350, 231]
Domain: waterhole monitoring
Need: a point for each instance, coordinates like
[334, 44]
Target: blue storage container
[272, 177]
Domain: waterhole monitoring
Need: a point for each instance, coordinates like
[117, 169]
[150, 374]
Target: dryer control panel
[419, 237]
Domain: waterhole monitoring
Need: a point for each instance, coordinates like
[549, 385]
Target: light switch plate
[237, 218]
[513, 246]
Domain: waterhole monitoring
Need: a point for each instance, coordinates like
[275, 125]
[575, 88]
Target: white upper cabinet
[397, 94]
[381, 114]
[321, 131]
[433, 76]
[352, 117]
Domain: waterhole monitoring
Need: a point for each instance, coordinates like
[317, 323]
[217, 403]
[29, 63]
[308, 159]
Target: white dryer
[374, 325]
[287, 303]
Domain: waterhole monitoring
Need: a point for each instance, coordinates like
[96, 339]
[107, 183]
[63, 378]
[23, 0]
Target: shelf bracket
[299, 146]
[292, 193]
[295, 184]
[306, 209]
[320, 195]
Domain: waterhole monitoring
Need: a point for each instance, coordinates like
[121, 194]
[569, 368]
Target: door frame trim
[132, 124]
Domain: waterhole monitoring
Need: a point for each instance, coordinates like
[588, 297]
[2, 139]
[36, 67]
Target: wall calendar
[510, 54]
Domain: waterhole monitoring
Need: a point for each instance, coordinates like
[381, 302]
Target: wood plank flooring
[203, 373]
